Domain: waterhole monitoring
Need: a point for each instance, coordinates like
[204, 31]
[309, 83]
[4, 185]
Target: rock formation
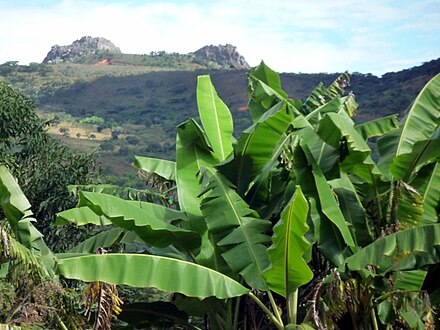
[79, 49]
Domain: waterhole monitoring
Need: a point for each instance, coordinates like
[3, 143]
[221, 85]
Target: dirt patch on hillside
[80, 131]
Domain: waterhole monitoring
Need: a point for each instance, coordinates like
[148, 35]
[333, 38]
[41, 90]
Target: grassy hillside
[141, 99]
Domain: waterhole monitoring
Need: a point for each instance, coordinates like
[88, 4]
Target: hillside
[167, 98]
[139, 99]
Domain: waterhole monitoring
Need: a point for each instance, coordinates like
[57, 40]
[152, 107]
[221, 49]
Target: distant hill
[168, 97]
[140, 99]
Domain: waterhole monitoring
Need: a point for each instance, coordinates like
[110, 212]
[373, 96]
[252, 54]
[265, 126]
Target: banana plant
[296, 203]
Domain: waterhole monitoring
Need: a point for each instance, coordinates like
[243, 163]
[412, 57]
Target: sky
[308, 36]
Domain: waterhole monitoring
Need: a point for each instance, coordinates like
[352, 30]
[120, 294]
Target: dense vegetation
[43, 166]
[292, 223]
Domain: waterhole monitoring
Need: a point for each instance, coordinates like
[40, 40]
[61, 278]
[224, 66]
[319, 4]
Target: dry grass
[86, 132]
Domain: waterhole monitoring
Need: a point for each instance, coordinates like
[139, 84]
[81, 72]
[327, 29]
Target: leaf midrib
[217, 123]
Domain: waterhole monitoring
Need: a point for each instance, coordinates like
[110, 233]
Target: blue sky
[373, 36]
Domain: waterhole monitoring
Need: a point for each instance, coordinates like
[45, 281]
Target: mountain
[81, 49]
[223, 54]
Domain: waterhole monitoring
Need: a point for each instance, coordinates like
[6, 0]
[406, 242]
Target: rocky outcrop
[224, 55]
[80, 49]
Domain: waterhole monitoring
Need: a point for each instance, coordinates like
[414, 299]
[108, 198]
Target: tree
[93, 120]
[41, 164]
[132, 139]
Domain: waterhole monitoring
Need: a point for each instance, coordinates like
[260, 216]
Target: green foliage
[242, 192]
[93, 120]
[351, 244]
[31, 293]
[41, 164]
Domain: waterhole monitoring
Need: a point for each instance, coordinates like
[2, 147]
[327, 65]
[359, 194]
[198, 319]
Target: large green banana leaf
[264, 90]
[238, 228]
[378, 127]
[399, 149]
[326, 235]
[192, 153]
[288, 269]
[104, 239]
[160, 212]
[334, 128]
[262, 196]
[410, 279]
[256, 145]
[162, 167]
[16, 207]
[81, 216]
[353, 152]
[327, 199]
[333, 105]
[428, 183]
[352, 209]
[409, 249]
[326, 156]
[216, 118]
[321, 95]
[271, 78]
[142, 220]
[119, 191]
[165, 274]
[410, 206]
[13, 202]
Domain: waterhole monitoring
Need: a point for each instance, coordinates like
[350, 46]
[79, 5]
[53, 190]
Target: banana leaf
[326, 235]
[192, 153]
[271, 78]
[352, 209]
[16, 207]
[327, 199]
[264, 89]
[164, 168]
[216, 118]
[256, 146]
[337, 128]
[410, 249]
[238, 228]
[321, 95]
[165, 274]
[409, 280]
[428, 183]
[378, 127]
[104, 239]
[316, 115]
[410, 206]
[143, 221]
[111, 189]
[288, 269]
[81, 216]
[402, 149]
